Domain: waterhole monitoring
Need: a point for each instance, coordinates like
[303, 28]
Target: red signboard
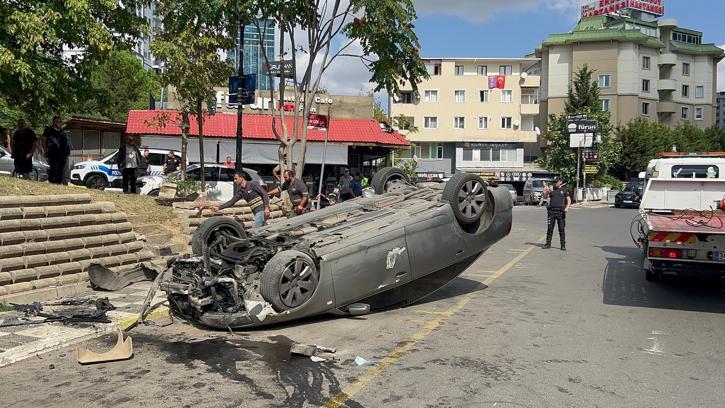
[599, 7]
[317, 121]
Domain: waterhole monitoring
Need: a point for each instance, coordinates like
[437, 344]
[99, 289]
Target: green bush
[606, 181]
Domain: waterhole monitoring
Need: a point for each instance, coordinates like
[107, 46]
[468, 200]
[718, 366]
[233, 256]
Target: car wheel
[215, 234]
[617, 205]
[289, 280]
[96, 182]
[154, 193]
[466, 194]
[381, 181]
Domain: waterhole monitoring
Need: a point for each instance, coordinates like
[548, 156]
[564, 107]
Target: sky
[513, 28]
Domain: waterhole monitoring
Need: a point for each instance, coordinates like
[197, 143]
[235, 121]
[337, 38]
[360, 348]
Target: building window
[685, 91]
[699, 92]
[459, 96]
[433, 69]
[406, 97]
[685, 69]
[605, 105]
[506, 122]
[645, 62]
[699, 113]
[645, 85]
[506, 95]
[505, 69]
[483, 122]
[645, 108]
[439, 151]
[483, 96]
[430, 96]
[685, 112]
[459, 122]
[485, 154]
[481, 70]
[459, 70]
[495, 154]
[604, 81]
[430, 122]
[467, 154]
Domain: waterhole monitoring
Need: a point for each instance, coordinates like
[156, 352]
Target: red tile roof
[167, 122]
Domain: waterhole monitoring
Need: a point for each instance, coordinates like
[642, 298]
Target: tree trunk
[184, 141]
[200, 123]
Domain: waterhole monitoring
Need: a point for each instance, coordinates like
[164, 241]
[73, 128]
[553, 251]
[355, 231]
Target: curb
[130, 321]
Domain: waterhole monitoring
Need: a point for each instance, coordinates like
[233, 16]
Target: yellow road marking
[352, 389]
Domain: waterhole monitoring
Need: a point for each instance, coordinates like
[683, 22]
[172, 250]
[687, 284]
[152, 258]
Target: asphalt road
[523, 327]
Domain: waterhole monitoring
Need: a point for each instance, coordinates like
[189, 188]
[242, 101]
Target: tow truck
[681, 222]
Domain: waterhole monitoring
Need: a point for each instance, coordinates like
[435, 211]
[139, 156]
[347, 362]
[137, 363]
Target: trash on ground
[123, 350]
[317, 359]
[310, 350]
[363, 362]
[104, 278]
[70, 311]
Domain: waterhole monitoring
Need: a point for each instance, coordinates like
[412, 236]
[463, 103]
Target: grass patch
[5, 308]
[144, 209]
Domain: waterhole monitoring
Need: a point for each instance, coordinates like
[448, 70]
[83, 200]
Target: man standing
[23, 146]
[147, 159]
[356, 185]
[253, 194]
[279, 169]
[129, 159]
[345, 186]
[172, 163]
[297, 191]
[57, 150]
[559, 204]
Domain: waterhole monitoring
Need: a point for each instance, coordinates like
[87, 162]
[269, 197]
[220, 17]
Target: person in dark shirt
[254, 195]
[297, 191]
[23, 146]
[559, 204]
[130, 161]
[57, 150]
[172, 163]
[356, 185]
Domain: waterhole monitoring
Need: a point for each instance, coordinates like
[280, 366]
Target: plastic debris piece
[363, 362]
[317, 359]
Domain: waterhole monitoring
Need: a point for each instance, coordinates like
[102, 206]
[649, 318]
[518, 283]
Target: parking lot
[523, 326]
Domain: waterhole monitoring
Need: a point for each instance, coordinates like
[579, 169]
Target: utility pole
[240, 72]
[324, 154]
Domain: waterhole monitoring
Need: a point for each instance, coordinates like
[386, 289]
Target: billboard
[599, 7]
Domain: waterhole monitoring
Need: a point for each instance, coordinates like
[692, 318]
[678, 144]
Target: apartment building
[645, 67]
[478, 115]
[720, 110]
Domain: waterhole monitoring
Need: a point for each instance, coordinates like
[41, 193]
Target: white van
[103, 173]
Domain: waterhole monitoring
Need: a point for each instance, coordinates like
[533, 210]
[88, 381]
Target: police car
[103, 173]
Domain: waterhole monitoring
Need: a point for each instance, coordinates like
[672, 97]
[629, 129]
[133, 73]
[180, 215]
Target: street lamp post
[240, 69]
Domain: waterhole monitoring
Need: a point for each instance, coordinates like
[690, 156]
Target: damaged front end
[225, 290]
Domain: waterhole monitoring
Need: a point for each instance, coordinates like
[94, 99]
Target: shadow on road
[624, 284]
[457, 287]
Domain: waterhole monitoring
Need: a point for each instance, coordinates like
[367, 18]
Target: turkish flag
[500, 81]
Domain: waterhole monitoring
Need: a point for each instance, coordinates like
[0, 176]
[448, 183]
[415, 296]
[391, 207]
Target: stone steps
[56, 234]
[36, 248]
[44, 200]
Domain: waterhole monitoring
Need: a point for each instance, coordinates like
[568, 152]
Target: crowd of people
[55, 146]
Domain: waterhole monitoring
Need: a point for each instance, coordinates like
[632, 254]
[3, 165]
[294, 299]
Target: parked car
[365, 254]
[103, 173]
[218, 178]
[630, 196]
[533, 189]
[7, 166]
[512, 190]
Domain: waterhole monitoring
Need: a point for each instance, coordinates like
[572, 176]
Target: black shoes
[546, 246]
[563, 247]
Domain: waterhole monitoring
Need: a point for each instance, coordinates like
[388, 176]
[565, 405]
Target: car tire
[617, 205]
[96, 182]
[384, 176]
[289, 280]
[467, 195]
[154, 193]
[209, 230]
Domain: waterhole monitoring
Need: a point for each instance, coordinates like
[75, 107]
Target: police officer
[297, 191]
[253, 194]
[559, 204]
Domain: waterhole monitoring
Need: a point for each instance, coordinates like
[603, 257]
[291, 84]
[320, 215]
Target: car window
[537, 183]
[695, 171]
[113, 159]
[193, 174]
[227, 174]
[156, 159]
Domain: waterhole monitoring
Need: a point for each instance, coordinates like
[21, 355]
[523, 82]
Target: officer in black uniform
[559, 204]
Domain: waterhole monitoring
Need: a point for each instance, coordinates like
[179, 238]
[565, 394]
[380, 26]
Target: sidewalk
[20, 342]
[593, 204]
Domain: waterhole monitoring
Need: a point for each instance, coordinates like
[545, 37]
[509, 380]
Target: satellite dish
[537, 130]
[524, 75]
[516, 123]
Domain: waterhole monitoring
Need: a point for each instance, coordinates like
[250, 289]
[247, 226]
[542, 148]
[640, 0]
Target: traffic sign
[591, 169]
[249, 85]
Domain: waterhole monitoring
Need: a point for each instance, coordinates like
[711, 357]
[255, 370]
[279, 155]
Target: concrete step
[34, 261]
[56, 234]
[43, 200]
[36, 248]
[61, 221]
[54, 290]
[158, 239]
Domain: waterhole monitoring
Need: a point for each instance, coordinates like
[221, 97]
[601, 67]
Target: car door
[211, 180]
[6, 162]
[225, 186]
[156, 160]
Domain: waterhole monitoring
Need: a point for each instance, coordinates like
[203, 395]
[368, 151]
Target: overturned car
[369, 253]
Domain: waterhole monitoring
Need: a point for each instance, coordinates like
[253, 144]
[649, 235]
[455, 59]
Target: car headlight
[79, 167]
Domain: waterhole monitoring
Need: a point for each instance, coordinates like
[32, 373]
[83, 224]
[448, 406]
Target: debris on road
[311, 350]
[104, 278]
[363, 362]
[34, 313]
[123, 350]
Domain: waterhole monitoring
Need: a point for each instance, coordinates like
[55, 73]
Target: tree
[688, 138]
[38, 76]
[639, 142]
[119, 84]
[193, 36]
[583, 99]
[380, 30]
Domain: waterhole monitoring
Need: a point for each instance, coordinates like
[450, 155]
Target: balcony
[667, 59]
[666, 107]
[531, 81]
[527, 136]
[666, 85]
